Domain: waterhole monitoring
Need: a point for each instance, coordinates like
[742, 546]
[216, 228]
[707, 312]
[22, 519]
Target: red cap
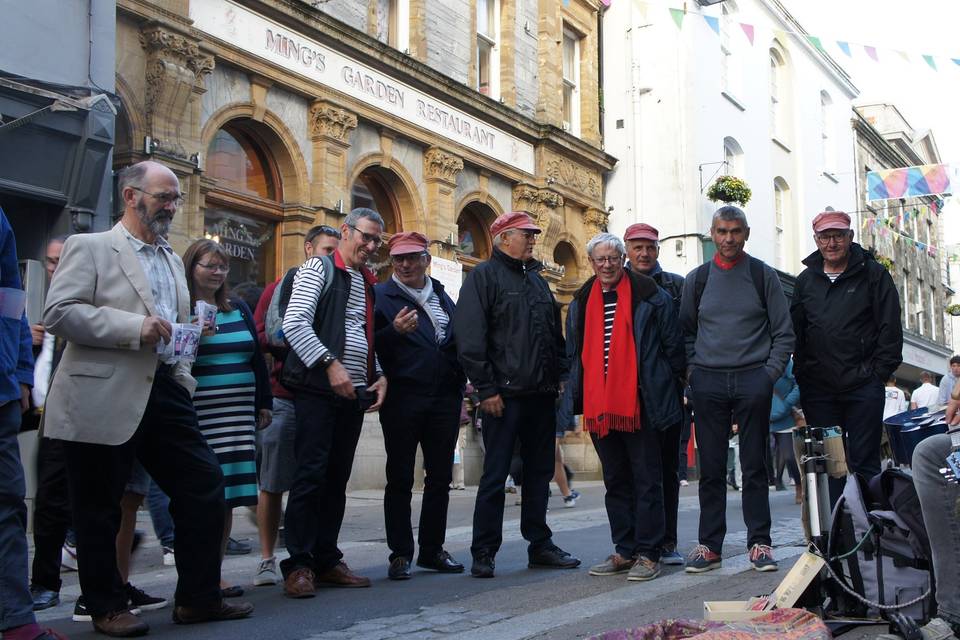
[407, 242]
[513, 220]
[641, 231]
[831, 220]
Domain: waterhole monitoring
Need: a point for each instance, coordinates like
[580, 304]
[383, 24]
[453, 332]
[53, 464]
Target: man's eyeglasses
[216, 268]
[369, 237]
[837, 236]
[166, 198]
[406, 257]
[607, 260]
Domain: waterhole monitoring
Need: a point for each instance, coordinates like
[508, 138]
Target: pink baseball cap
[831, 220]
[641, 231]
[407, 242]
[513, 220]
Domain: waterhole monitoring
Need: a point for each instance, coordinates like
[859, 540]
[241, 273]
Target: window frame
[488, 47]
[570, 87]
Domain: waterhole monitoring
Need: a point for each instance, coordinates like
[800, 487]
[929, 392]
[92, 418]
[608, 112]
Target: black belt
[163, 367]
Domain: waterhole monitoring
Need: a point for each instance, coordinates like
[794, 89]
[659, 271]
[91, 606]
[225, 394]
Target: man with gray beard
[114, 399]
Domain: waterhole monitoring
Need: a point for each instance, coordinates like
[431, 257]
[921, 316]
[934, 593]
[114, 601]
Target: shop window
[372, 190]
[249, 240]
[488, 51]
[240, 163]
[473, 237]
[571, 82]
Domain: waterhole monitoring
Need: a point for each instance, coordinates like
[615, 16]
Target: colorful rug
[780, 624]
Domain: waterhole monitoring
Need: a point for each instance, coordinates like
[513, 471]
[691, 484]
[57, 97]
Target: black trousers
[723, 399]
[328, 428]
[51, 514]
[669, 444]
[684, 440]
[433, 423]
[169, 445]
[532, 420]
[632, 476]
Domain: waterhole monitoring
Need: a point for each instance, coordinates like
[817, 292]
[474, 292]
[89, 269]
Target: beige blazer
[97, 302]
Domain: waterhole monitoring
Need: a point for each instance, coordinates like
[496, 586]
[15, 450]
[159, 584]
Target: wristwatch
[326, 360]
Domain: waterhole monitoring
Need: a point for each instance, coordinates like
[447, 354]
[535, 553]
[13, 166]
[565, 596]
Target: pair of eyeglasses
[406, 257]
[835, 237]
[166, 198]
[608, 260]
[368, 237]
[216, 268]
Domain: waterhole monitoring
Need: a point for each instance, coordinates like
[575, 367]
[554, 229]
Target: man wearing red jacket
[275, 444]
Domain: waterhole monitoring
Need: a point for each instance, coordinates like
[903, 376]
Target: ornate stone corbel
[439, 164]
[596, 221]
[331, 121]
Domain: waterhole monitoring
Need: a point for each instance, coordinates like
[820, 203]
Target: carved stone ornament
[574, 176]
[331, 121]
[441, 165]
[596, 221]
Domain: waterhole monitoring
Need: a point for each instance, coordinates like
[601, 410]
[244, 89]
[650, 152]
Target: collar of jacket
[514, 263]
[858, 256]
[364, 271]
[390, 288]
[656, 273]
[641, 288]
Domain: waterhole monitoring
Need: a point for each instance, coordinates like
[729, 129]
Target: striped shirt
[609, 309]
[443, 320]
[155, 261]
[298, 321]
[833, 276]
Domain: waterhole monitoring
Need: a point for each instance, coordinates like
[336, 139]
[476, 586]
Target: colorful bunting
[929, 59]
[714, 23]
[748, 30]
[908, 182]
[678, 17]
[956, 61]
[845, 47]
[815, 41]
[872, 52]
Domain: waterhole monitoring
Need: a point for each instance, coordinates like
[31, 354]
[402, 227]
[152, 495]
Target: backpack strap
[757, 274]
[699, 284]
[286, 287]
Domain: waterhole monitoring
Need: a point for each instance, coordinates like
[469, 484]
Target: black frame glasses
[368, 237]
[165, 198]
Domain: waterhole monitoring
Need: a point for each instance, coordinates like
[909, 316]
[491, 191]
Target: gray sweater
[733, 332]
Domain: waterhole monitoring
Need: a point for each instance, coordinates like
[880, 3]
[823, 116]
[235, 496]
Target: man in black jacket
[846, 316]
[643, 250]
[512, 350]
[417, 348]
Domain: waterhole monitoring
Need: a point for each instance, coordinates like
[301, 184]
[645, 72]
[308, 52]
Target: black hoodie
[848, 331]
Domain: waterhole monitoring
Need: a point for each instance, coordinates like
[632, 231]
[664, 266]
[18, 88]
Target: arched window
[243, 210]
[730, 66]
[777, 92]
[781, 215]
[565, 256]
[372, 189]
[733, 157]
[828, 155]
[474, 243]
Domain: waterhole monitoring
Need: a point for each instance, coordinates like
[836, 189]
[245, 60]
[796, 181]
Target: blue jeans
[16, 605]
[938, 500]
[159, 505]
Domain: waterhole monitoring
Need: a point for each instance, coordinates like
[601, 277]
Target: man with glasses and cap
[276, 459]
[416, 346]
[511, 346]
[846, 316]
[335, 378]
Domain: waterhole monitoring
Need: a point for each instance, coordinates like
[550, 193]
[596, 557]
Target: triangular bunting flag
[714, 23]
[956, 61]
[815, 41]
[872, 52]
[903, 54]
[929, 59]
[748, 30]
[845, 47]
[677, 15]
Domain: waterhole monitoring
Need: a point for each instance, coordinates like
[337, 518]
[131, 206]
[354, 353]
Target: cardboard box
[801, 574]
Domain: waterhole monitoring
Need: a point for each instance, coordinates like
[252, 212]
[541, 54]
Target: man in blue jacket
[415, 344]
[16, 378]
[628, 357]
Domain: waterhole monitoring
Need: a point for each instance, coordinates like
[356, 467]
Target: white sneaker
[684, 483]
[569, 501]
[169, 560]
[267, 573]
[68, 557]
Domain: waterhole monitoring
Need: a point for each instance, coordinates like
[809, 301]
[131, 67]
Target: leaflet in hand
[206, 314]
[184, 340]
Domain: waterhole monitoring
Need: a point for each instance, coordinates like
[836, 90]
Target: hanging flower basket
[729, 189]
[953, 309]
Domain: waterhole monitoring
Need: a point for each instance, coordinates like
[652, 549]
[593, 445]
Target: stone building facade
[907, 234]
[441, 114]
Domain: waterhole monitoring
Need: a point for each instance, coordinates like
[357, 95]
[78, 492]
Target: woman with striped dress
[233, 391]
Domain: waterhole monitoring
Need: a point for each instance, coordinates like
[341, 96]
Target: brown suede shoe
[299, 584]
[120, 624]
[341, 576]
[222, 611]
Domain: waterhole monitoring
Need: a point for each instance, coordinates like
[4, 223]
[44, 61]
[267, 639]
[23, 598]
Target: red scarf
[612, 401]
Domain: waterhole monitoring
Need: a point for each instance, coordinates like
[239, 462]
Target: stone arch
[402, 186]
[132, 114]
[482, 197]
[566, 254]
[278, 139]
[474, 217]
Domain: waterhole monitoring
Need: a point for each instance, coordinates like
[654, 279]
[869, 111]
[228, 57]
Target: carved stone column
[330, 127]
[440, 171]
[174, 78]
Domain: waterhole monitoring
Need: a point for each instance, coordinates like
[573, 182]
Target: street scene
[487, 319]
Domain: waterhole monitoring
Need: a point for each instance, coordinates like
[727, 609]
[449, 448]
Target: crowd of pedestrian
[142, 396]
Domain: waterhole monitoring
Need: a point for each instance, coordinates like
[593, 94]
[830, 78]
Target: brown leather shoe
[341, 576]
[120, 624]
[222, 611]
[299, 584]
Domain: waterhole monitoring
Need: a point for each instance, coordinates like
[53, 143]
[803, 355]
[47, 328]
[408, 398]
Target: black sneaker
[141, 601]
[552, 557]
[237, 547]
[483, 565]
[80, 613]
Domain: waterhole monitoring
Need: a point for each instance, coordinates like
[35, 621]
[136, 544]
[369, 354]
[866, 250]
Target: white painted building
[684, 105]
